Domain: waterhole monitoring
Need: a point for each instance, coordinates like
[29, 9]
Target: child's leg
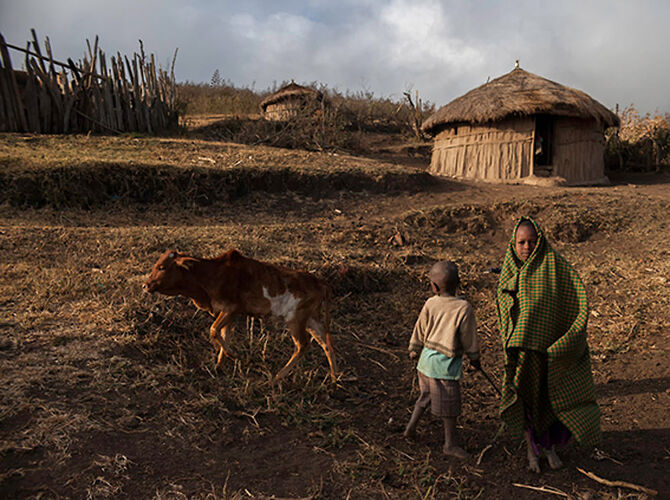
[410, 430]
[420, 406]
[450, 446]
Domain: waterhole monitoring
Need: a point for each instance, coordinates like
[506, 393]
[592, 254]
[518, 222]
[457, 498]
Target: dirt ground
[111, 393]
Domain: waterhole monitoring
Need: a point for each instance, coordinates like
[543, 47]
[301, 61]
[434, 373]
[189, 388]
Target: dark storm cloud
[615, 51]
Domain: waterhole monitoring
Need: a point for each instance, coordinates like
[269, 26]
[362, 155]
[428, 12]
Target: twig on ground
[378, 364]
[209, 372]
[601, 455]
[375, 348]
[473, 471]
[619, 484]
[543, 489]
[361, 440]
[402, 453]
[251, 415]
[481, 455]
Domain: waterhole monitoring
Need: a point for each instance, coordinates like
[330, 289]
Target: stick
[375, 348]
[481, 455]
[378, 363]
[97, 122]
[621, 484]
[402, 453]
[490, 381]
[543, 489]
[65, 65]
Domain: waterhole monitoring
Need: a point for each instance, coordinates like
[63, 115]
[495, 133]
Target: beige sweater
[446, 324]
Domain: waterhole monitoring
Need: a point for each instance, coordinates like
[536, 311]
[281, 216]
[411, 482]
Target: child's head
[444, 277]
[525, 239]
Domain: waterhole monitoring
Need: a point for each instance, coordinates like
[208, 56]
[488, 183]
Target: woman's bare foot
[533, 460]
[534, 463]
[455, 451]
[552, 458]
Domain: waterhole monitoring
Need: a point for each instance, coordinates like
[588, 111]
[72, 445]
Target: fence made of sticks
[93, 95]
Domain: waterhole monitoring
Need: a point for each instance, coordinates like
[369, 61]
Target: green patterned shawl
[542, 307]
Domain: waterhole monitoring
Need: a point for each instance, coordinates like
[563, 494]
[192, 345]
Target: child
[444, 331]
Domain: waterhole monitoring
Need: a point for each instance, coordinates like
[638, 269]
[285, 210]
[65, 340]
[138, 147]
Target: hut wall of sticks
[521, 127]
[290, 102]
[93, 95]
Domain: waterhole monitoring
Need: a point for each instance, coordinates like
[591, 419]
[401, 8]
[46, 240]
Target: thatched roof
[288, 91]
[519, 93]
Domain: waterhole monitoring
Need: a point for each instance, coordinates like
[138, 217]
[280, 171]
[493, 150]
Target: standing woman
[548, 388]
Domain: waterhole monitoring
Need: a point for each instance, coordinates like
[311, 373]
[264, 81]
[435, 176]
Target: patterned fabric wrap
[542, 308]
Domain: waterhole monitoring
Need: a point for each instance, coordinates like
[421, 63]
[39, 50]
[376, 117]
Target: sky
[616, 51]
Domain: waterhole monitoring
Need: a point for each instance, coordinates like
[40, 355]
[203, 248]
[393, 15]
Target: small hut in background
[518, 126]
[290, 101]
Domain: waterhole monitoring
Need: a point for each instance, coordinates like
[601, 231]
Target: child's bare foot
[409, 433]
[455, 451]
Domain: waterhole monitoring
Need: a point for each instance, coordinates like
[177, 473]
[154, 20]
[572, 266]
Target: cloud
[614, 50]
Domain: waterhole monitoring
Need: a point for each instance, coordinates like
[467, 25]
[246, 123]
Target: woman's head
[525, 239]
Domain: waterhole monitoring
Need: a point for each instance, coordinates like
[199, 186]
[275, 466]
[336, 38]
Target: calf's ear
[186, 262]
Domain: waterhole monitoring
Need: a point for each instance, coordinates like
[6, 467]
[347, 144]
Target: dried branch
[481, 455]
[543, 489]
[619, 484]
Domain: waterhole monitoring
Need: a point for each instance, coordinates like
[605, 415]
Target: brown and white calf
[232, 284]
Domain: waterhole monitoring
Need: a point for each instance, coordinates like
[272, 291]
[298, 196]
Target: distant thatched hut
[520, 125]
[289, 102]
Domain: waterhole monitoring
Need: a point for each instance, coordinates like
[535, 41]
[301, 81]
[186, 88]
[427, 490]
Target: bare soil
[111, 393]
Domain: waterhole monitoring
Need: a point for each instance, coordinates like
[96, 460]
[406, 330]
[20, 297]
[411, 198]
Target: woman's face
[525, 241]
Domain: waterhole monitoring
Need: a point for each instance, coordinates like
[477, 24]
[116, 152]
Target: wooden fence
[124, 95]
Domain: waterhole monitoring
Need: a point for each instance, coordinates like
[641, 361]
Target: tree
[216, 79]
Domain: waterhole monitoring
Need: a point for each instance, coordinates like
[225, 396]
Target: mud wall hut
[289, 102]
[521, 126]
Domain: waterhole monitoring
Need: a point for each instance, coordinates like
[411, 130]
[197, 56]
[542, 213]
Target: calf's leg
[217, 338]
[301, 341]
[322, 336]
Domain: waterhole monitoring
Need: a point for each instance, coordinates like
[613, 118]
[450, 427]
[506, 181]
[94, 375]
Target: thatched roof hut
[289, 101]
[518, 126]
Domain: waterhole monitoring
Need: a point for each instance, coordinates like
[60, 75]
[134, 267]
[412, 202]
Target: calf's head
[169, 274]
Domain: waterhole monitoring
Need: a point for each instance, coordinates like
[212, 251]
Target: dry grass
[88, 172]
[109, 392]
[641, 143]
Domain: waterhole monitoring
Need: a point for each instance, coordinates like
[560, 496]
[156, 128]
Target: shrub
[641, 143]
[337, 123]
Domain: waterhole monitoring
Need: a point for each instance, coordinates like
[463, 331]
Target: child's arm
[469, 340]
[419, 334]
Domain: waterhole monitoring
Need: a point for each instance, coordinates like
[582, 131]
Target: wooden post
[31, 102]
[95, 97]
[532, 147]
[12, 97]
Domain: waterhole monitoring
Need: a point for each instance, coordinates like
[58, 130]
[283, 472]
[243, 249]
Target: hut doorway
[543, 147]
